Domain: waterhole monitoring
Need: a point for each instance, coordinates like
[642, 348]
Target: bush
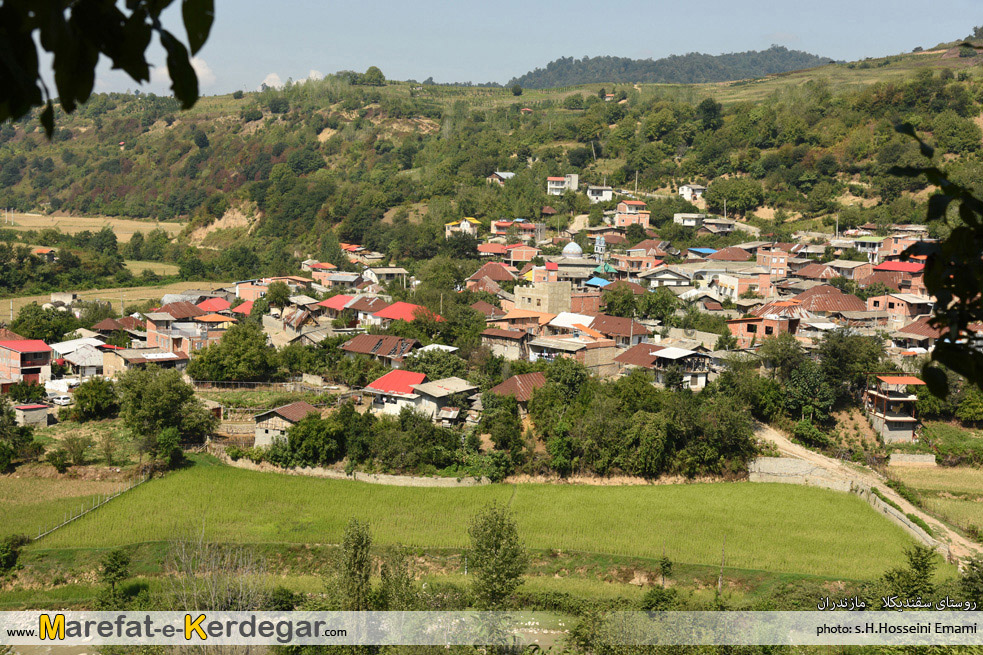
[659, 599]
[237, 95]
[169, 447]
[905, 492]
[59, 459]
[885, 499]
[94, 400]
[10, 550]
[234, 452]
[917, 520]
[806, 433]
[76, 448]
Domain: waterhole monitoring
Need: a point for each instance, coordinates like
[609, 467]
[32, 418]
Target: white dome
[572, 250]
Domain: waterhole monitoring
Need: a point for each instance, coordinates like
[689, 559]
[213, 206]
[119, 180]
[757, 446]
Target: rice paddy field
[954, 494]
[773, 528]
[29, 503]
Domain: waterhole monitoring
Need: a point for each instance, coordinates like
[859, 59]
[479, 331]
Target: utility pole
[636, 183]
[725, 207]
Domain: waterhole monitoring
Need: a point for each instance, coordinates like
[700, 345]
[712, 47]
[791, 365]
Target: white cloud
[159, 77]
[206, 77]
[315, 75]
[273, 80]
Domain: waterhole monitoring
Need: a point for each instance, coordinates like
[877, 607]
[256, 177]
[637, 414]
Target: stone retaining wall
[333, 474]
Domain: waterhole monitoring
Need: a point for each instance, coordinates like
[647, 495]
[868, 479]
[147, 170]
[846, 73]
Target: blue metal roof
[597, 282]
[703, 251]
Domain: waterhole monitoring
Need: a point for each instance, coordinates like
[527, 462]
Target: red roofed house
[901, 304]
[494, 271]
[244, 308]
[394, 391]
[403, 311]
[912, 275]
[492, 249]
[557, 186]
[631, 212]
[25, 360]
[214, 305]
[335, 305]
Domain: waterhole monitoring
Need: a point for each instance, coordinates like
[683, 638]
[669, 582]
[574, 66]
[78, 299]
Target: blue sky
[256, 40]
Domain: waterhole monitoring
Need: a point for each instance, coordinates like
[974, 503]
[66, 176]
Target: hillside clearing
[776, 528]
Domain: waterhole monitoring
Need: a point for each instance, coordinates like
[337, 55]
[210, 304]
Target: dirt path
[578, 223]
[959, 546]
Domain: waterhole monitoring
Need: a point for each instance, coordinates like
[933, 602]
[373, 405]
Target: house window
[890, 305]
[752, 328]
[877, 303]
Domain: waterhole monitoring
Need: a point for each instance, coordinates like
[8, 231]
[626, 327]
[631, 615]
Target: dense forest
[692, 68]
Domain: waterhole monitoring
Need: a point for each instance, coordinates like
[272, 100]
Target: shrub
[10, 550]
[659, 599]
[917, 520]
[59, 459]
[885, 499]
[905, 492]
[807, 433]
[234, 452]
[237, 95]
[76, 447]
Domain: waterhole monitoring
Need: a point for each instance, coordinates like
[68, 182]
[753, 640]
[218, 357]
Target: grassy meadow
[776, 528]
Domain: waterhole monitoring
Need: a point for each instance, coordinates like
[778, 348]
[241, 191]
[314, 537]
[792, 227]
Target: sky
[257, 41]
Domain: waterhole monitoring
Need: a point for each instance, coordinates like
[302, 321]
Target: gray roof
[444, 387]
[85, 356]
[159, 316]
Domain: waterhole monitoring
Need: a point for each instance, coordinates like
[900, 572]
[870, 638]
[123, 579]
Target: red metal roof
[900, 379]
[323, 266]
[244, 308]
[636, 203]
[556, 179]
[397, 382]
[336, 302]
[552, 266]
[23, 407]
[26, 346]
[380, 345]
[492, 248]
[901, 267]
[214, 305]
[404, 311]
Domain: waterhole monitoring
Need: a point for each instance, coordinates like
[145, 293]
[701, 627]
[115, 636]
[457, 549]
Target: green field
[776, 528]
[27, 504]
[954, 494]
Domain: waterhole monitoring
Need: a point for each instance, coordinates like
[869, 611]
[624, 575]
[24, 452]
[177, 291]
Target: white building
[600, 193]
[688, 220]
[692, 192]
[557, 186]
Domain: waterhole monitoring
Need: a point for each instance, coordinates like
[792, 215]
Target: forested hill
[693, 68]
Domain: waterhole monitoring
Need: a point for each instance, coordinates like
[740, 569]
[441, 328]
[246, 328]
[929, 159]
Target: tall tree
[356, 567]
[496, 556]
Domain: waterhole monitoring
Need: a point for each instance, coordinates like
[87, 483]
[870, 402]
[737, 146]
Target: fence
[97, 502]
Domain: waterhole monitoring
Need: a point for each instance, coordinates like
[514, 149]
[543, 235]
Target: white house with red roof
[402, 311]
[25, 360]
[558, 185]
[394, 391]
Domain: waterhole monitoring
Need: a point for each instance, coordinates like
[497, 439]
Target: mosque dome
[572, 250]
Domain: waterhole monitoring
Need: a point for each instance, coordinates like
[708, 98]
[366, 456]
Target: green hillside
[276, 171]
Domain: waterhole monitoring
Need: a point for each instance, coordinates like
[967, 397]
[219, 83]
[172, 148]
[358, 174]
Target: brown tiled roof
[380, 345]
[494, 271]
[816, 272]
[487, 309]
[640, 355]
[818, 299]
[499, 333]
[487, 285]
[9, 335]
[181, 310]
[921, 328]
[520, 387]
[891, 279]
[293, 412]
[131, 323]
[617, 326]
[108, 325]
[731, 254]
[712, 306]
[368, 304]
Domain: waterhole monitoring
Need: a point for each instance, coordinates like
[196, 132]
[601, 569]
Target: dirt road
[959, 546]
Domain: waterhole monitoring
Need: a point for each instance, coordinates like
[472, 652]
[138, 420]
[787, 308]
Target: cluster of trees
[693, 68]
